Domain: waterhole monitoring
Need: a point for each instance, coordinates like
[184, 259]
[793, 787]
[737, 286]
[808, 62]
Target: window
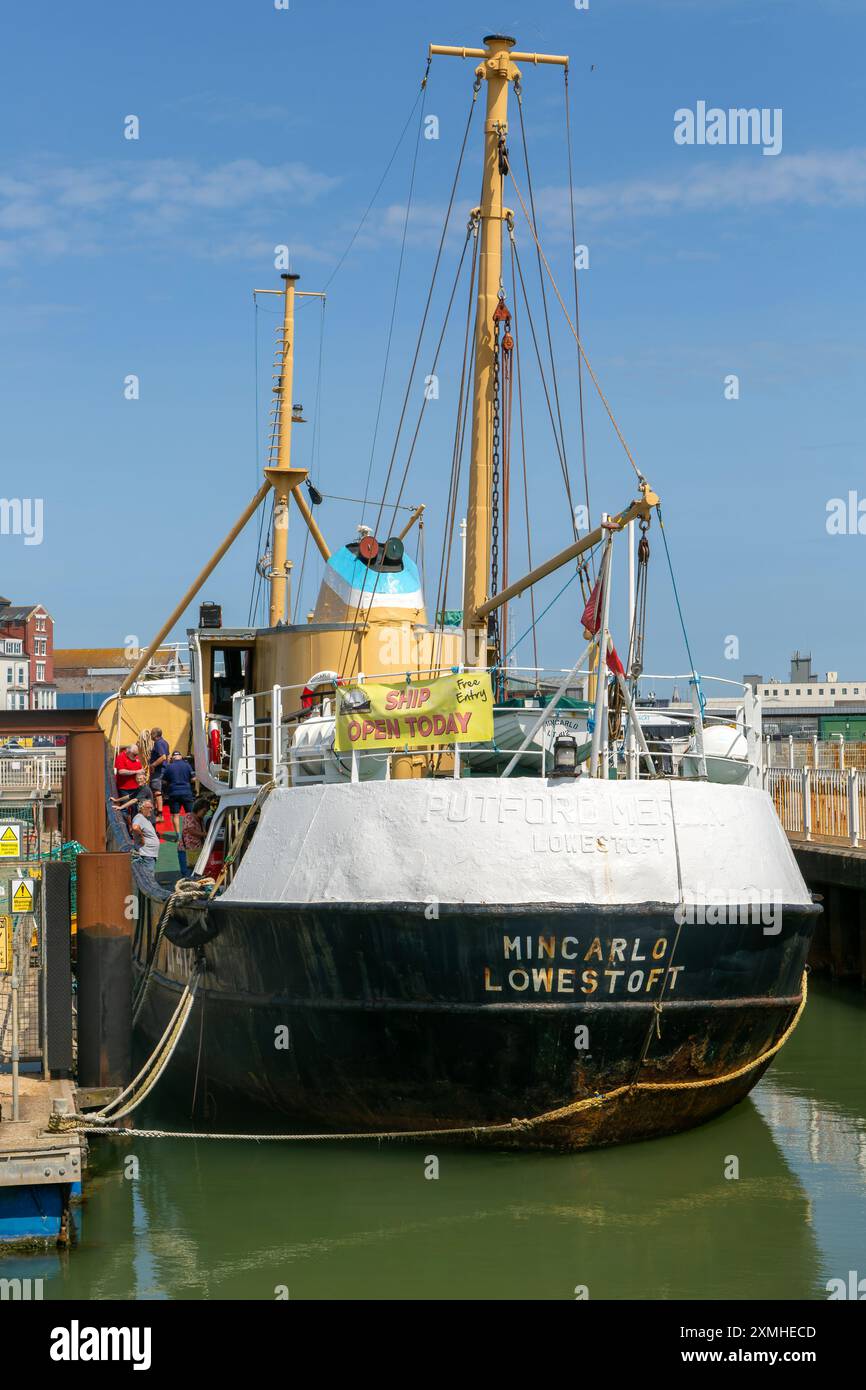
[8, 675]
[41, 646]
[40, 624]
[40, 670]
[787, 692]
[820, 692]
[844, 690]
[13, 646]
[20, 675]
[856, 690]
[797, 692]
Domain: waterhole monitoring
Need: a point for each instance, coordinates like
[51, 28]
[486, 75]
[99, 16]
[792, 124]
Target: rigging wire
[396, 295]
[523, 457]
[695, 676]
[315, 452]
[518, 91]
[456, 456]
[544, 611]
[475, 90]
[581, 349]
[436, 265]
[417, 430]
[576, 297]
[529, 316]
[394, 153]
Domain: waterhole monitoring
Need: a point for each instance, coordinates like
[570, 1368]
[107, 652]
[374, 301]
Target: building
[806, 705]
[26, 656]
[86, 676]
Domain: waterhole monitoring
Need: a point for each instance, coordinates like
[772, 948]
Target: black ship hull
[387, 1018]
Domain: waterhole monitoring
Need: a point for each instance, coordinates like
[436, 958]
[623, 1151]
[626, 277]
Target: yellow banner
[447, 709]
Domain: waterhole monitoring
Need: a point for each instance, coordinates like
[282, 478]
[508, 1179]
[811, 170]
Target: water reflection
[652, 1220]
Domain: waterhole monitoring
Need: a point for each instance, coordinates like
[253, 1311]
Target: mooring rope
[514, 1126]
[143, 1083]
[186, 891]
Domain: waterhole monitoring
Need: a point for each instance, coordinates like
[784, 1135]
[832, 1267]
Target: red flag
[592, 612]
[613, 662]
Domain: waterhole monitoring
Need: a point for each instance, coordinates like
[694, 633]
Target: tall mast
[279, 596]
[497, 69]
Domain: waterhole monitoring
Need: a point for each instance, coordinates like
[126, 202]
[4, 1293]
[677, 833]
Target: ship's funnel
[386, 588]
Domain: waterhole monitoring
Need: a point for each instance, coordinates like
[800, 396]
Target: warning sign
[22, 895]
[5, 945]
[10, 842]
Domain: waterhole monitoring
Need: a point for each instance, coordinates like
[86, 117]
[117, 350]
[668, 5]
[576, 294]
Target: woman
[192, 835]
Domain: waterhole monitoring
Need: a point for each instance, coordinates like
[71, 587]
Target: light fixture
[564, 756]
[354, 701]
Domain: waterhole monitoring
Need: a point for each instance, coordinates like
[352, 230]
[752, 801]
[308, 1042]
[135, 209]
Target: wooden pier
[40, 1171]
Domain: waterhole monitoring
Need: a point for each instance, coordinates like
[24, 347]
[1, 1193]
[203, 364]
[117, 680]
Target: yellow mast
[497, 69]
[282, 485]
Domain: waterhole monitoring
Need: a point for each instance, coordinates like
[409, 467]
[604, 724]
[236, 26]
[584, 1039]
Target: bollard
[104, 970]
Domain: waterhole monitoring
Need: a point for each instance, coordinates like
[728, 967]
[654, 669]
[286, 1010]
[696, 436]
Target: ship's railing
[819, 803]
[254, 745]
[171, 659]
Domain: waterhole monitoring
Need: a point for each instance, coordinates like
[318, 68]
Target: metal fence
[32, 772]
[832, 754]
[21, 943]
[21, 955]
[819, 803]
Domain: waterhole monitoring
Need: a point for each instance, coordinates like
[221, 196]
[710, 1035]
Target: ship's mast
[497, 69]
[284, 479]
[279, 596]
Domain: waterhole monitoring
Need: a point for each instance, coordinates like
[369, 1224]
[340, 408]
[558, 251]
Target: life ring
[215, 744]
[310, 692]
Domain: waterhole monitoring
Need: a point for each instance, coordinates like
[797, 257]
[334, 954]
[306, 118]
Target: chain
[494, 516]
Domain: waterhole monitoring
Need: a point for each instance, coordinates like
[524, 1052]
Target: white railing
[38, 773]
[834, 754]
[819, 803]
[255, 744]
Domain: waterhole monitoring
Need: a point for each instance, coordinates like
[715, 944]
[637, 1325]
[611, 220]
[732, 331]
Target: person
[158, 758]
[177, 786]
[130, 802]
[126, 765]
[144, 836]
[192, 835]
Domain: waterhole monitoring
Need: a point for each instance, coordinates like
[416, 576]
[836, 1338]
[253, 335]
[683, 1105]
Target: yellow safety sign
[10, 842]
[5, 945]
[22, 895]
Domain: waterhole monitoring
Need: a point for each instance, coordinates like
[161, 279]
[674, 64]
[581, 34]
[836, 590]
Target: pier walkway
[40, 1171]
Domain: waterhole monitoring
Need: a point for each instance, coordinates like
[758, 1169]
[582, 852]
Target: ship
[443, 895]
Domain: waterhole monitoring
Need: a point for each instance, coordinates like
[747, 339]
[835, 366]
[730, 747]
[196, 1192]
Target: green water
[647, 1221]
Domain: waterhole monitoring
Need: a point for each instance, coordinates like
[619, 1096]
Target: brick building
[26, 657]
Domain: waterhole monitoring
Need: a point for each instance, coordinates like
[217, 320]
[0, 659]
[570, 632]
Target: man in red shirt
[126, 765]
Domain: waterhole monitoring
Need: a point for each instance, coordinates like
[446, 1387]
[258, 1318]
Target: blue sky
[260, 127]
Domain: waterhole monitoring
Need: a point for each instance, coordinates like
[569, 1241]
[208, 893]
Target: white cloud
[83, 210]
[829, 179]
